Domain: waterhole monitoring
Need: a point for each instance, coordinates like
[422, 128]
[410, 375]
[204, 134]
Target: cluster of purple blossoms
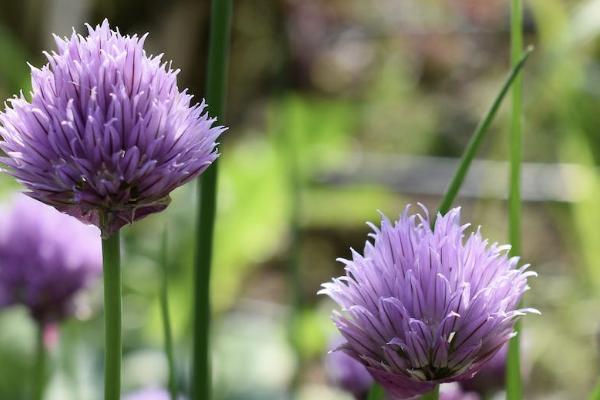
[424, 305]
[46, 258]
[107, 134]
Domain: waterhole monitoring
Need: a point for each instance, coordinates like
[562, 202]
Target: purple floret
[107, 134]
[46, 258]
[421, 306]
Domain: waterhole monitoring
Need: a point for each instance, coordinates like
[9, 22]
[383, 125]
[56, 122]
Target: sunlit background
[337, 109]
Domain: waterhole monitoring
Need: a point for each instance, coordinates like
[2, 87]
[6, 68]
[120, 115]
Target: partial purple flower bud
[424, 306]
[346, 373]
[107, 135]
[491, 377]
[149, 394]
[46, 258]
[452, 391]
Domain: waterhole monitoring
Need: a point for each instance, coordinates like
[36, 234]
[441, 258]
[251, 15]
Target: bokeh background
[337, 109]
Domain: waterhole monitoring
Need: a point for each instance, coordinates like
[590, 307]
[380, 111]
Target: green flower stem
[220, 31]
[39, 368]
[295, 284]
[480, 132]
[166, 318]
[595, 395]
[288, 147]
[376, 392]
[433, 395]
[112, 317]
[514, 386]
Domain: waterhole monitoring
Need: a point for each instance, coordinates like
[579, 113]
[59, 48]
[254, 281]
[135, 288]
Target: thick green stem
[480, 132]
[201, 382]
[514, 386]
[39, 368]
[166, 317]
[112, 317]
[220, 31]
[433, 395]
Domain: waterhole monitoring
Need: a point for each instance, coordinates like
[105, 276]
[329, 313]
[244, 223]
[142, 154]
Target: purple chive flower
[107, 135]
[424, 306]
[452, 391]
[346, 373]
[46, 258]
[149, 394]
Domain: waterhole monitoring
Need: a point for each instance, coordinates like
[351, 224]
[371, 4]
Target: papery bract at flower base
[107, 134]
[424, 306]
[46, 258]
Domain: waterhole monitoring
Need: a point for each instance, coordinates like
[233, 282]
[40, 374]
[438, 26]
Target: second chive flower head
[46, 259]
[424, 306]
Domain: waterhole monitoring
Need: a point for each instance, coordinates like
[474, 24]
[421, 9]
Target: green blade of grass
[166, 317]
[514, 386]
[376, 392]
[39, 367]
[433, 395]
[220, 32]
[595, 395]
[480, 132]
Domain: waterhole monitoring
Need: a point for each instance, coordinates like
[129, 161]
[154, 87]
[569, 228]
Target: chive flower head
[106, 134]
[423, 306]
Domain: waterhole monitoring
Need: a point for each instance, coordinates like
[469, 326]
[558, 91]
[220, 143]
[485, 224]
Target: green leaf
[480, 132]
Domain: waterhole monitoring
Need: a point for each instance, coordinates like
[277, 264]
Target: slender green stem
[433, 395]
[514, 386]
[297, 303]
[294, 276]
[595, 395]
[376, 392]
[220, 31]
[480, 132]
[516, 130]
[166, 318]
[39, 368]
[288, 147]
[112, 317]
